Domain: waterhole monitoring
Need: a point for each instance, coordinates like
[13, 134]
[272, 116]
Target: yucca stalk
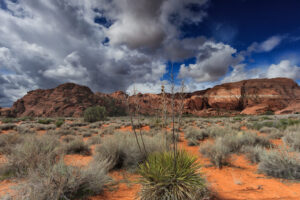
[131, 120]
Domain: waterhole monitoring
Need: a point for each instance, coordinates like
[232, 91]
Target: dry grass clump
[25, 129]
[280, 164]
[77, 146]
[95, 125]
[6, 127]
[218, 131]
[30, 154]
[220, 151]
[217, 152]
[97, 139]
[78, 124]
[196, 134]
[65, 182]
[192, 142]
[292, 139]
[109, 130]
[268, 130]
[62, 132]
[8, 141]
[69, 138]
[253, 154]
[122, 150]
[40, 127]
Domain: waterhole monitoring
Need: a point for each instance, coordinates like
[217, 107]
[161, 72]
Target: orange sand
[77, 160]
[124, 191]
[240, 181]
[6, 187]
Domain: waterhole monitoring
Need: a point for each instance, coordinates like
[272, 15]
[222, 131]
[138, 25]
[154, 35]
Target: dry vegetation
[34, 151]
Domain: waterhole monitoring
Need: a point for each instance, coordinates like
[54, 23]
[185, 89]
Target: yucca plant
[160, 181]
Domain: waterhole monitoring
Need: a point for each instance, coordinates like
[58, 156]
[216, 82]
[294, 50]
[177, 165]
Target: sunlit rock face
[255, 96]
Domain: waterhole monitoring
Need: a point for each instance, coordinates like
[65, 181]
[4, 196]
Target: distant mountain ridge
[254, 96]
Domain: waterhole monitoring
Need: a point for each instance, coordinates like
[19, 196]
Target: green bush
[45, 121]
[59, 122]
[160, 180]
[93, 114]
[280, 164]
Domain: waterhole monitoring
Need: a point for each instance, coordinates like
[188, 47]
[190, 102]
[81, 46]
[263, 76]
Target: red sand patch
[77, 160]
[3, 159]
[124, 191]
[6, 187]
[129, 128]
[241, 180]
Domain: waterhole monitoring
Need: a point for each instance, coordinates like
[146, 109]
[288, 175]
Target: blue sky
[112, 45]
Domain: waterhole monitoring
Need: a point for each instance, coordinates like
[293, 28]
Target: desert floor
[240, 180]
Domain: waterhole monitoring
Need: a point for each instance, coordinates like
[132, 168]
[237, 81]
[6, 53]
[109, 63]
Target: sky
[111, 45]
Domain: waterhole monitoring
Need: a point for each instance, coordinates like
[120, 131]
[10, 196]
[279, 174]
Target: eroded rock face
[256, 96]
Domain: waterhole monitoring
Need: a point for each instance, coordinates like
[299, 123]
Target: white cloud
[284, 69]
[212, 63]
[267, 45]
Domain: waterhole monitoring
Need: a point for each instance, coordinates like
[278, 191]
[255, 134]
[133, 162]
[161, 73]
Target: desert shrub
[87, 133]
[236, 141]
[8, 127]
[108, 130]
[192, 142]
[95, 125]
[196, 134]
[8, 141]
[269, 112]
[44, 121]
[25, 128]
[69, 138]
[95, 140]
[122, 150]
[93, 114]
[8, 120]
[45, 127]
[160, 180]
[280, 164]
[253, 154]
[217, 152]
[30, 154]
[61, 132]
[77, 146]
[251, 139]
[78, 124]
[268, 130]
[59, 122]
[292, 139]
[284, 123]
[218, 131]
[65, 182]
[276, 135]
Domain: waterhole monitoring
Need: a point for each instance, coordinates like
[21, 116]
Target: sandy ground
[240, 181]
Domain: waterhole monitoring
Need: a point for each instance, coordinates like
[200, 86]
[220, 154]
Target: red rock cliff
[254, 96]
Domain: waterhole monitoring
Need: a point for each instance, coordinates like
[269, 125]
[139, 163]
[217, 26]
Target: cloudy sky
[113, 45]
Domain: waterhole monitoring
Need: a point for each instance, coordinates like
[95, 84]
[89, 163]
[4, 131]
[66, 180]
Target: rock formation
[255, 96]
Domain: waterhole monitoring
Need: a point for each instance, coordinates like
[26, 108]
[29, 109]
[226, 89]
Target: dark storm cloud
[46, 43]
